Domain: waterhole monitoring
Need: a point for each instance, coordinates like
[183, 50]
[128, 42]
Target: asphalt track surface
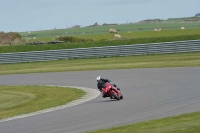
[149, 93]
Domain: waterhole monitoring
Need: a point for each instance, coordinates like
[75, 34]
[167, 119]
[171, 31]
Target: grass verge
[186, 123]
[17, 100]
[145, 61]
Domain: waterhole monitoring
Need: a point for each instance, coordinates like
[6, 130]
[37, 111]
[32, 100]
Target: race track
[149, 93]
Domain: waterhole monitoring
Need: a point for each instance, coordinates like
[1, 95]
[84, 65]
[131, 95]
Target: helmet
[98, 77]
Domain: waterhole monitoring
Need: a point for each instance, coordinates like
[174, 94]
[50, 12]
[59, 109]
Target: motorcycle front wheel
[115, 96]
[121, 97]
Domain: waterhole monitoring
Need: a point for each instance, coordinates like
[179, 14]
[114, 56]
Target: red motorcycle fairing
[109, 89]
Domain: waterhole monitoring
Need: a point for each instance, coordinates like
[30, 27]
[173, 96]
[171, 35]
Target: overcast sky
[32, 15]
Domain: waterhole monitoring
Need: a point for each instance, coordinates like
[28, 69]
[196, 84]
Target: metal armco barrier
[123, 50]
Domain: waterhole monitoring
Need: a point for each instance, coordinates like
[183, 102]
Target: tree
[96, 24]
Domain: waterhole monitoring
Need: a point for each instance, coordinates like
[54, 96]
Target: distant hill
[197, 15]
[185, 19]
[195, 18]
[152, 21]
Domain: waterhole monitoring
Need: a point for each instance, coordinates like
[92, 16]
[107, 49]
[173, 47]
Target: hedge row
[26, 48]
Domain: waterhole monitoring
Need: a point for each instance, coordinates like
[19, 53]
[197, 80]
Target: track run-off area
[149, 93]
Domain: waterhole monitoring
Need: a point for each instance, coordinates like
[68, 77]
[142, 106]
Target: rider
[101, 81]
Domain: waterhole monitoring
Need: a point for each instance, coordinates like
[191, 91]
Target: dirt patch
[11, 38]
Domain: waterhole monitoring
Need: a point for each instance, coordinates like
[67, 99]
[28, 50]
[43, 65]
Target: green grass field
[186, 123]
[98, 30]
[145, 61]
[130, 34]
[17, 100]
[107, 40]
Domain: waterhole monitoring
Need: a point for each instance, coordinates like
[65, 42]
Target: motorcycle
[109, 90]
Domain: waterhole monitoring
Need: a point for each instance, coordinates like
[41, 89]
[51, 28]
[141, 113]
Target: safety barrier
[123, 50]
